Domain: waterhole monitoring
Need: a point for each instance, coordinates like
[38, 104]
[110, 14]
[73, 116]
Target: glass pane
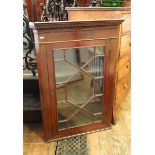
[99, 50]
[95, 105]
[98, 86]
[79, 56]
[80, 118]
[79, 83]
[98, 117]
[80, 91]
[60, 92]
[95, 67]
[58, 54]
[64, 111]
[63, 71]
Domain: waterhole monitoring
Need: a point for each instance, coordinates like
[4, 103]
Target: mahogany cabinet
[76, 68]
[123, 73]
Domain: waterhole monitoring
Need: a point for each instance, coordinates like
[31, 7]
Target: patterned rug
[72, 146]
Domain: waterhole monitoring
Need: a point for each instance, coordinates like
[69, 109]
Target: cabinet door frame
[108, 93]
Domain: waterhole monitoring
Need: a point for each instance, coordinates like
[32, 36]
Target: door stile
[52, 88]
[44, 90]
[106, 82]
[112, 72]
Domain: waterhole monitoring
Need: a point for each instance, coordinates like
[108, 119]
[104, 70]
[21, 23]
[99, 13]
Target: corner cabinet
[76, 69]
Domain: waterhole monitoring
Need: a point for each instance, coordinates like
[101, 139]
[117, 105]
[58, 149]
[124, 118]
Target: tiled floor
[115, 141]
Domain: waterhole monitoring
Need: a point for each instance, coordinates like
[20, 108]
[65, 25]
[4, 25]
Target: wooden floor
[115, 141]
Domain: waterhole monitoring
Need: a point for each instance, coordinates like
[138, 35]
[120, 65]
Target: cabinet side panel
[114, 51]
[44, 90]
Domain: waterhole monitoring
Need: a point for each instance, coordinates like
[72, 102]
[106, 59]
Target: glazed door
[78, 79]
[79, 85]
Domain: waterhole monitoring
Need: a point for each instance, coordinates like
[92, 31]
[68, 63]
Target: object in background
[31, 99]
[111, 3]
[127, 3]
[54, 10]
[29, 59]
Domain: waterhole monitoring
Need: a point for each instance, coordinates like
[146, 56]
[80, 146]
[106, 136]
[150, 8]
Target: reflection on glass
[94, 67]
[63, 71]
[99, 86]
[82, 87]
[99, 50]
[80, 118]
[79, 56]
[79, 83]
[61, 92]
[58, 54]
[95, 105]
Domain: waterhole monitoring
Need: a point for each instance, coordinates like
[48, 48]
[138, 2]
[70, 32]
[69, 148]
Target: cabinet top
[75, 24]
[98, 8]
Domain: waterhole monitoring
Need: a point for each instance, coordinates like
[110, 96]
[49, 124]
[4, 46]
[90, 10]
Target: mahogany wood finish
[123, 57]
[60, 35]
